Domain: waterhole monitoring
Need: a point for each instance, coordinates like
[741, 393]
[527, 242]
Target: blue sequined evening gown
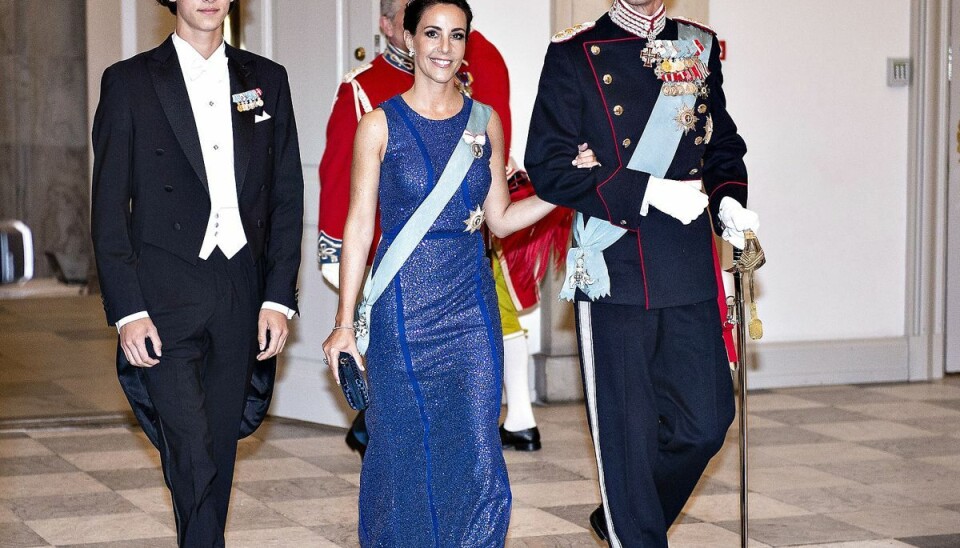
[433, 474]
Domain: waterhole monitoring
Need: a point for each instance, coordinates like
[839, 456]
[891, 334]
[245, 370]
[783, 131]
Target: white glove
[681, 200]
[735, 219]
[331, 273]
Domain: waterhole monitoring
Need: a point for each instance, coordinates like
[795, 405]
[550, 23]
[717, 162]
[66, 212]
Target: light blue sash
[419, 224]
[656, 149]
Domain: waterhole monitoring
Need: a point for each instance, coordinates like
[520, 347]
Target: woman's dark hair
[415, 9]
[172, 5]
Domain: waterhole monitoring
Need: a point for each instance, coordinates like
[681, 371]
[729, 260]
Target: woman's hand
[586, 158]
[342, 339]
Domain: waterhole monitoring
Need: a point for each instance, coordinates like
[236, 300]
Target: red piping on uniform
[725, 184]
[643, 272]
[613, 132]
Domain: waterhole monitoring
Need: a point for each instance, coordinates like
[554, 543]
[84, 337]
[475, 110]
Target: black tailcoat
[150, 188]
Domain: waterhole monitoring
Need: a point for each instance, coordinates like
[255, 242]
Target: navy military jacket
[595, 89]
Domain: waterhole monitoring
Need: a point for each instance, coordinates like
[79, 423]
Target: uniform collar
[398, 58]
[634, 22]
[192, 63]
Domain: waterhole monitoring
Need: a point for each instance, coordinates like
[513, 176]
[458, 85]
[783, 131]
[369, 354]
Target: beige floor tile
[866, 430]
[880, 543]
[89, 529]
[273, 469]
[771, 400]
[705, 535]
[938, 492]
[22, 447]
[950, 461]
[905, 522]
[48, 484]
[542, 495]
[518, 457]
[901, 410]
[352, 478]
[114, 460]
[756, 421]
[920, 391]
[726, 507]
[277, 538]
[531, 522]
[313, 447]
[822, 453]
[151, 500]
[7, 515]
[835, 500]
[585, 468]
[316, 512]
[769, 480]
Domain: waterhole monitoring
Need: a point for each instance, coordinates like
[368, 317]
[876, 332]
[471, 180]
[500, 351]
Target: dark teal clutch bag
[352, 382]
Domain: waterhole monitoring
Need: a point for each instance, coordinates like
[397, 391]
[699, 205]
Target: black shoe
[599, 522]
[357, 437]
[524, 440]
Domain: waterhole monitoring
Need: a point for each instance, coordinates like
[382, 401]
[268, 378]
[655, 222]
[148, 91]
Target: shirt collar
[192, 63]
[634, 22]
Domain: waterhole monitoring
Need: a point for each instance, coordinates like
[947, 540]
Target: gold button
[698, 141]
[607, 79]
[623, 223]
[618, 110]
[595, 50]
[702, 109]
[627, 142]
[694, 171]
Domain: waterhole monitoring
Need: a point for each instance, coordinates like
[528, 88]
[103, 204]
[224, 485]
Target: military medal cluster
[248, 100]
[677, 63]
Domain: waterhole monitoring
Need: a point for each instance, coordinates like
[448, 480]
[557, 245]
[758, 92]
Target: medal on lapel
[677, 63]
[248, 100]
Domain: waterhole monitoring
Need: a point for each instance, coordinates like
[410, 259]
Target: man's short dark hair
[172, 5]
[415, 9]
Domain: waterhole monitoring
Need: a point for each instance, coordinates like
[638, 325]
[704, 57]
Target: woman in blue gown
[434, 473]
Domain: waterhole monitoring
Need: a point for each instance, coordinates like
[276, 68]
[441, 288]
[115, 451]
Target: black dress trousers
[206, 315]
[659, 402]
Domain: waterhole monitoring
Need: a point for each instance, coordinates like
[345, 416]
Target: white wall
[806, 83]
[828, 159]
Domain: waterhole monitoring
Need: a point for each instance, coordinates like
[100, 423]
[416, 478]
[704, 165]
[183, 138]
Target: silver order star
[475, 221]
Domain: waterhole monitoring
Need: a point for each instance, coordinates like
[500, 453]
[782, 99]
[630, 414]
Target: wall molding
[927, 190]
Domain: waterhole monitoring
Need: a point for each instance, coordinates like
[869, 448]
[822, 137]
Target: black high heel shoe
[357, 437]
[524, 440]
[599, 522]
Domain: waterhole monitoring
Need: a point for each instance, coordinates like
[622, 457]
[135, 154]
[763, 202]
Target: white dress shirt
[208, 88]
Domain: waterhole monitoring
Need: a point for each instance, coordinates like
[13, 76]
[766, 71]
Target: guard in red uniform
[518, 262]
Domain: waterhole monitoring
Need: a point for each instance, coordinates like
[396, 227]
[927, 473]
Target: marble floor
[853, 467]
[57, 359]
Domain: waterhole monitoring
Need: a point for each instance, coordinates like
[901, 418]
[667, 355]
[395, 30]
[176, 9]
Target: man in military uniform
[483, 76]
[645, 93]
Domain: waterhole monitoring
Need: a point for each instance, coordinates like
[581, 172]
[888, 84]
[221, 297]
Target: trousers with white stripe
[659, 401]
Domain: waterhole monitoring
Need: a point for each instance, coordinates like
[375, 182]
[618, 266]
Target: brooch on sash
[677, 63]
[476, 143]
[248, 100]
[475, 221]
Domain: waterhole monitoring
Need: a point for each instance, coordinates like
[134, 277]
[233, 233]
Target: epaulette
[569, 33]
[695, 23]
[350, 76]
